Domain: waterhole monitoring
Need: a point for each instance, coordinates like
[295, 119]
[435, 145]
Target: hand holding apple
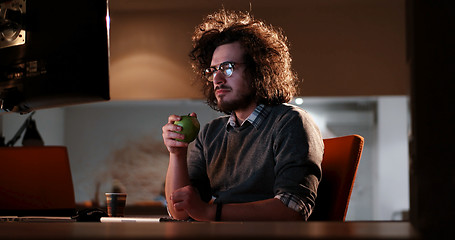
[190, 128]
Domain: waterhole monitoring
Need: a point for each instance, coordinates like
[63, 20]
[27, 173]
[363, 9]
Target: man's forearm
[176, 177]
[265, 210]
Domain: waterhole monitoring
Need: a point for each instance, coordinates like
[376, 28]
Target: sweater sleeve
[298, 149]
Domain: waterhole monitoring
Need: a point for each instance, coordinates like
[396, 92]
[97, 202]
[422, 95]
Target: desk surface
[218, 230]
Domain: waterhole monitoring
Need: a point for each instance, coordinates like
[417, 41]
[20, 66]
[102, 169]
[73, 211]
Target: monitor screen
[53, 53]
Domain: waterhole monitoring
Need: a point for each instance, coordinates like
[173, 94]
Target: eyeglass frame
[215, 69]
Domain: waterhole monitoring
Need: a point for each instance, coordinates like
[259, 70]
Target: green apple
[190, 128]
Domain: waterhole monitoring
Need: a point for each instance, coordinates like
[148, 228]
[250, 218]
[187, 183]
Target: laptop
[36, 183]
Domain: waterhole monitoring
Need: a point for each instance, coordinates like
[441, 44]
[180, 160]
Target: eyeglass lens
[227, 68]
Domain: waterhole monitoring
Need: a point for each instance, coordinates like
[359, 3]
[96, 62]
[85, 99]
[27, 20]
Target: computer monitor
[53, 53]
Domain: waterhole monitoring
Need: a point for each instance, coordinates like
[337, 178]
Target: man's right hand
[169, 136]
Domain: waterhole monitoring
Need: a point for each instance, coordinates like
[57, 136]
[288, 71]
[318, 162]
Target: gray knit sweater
[243, 164]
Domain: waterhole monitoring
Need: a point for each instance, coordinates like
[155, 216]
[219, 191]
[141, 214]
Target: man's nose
[218, 78]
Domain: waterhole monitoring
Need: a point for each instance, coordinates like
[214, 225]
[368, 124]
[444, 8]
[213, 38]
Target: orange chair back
[339, 168]
[36, 181]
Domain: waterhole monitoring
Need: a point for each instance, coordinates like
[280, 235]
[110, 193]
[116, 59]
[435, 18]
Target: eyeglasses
[226, 68]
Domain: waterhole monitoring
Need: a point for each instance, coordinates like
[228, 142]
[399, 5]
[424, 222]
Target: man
[263, 160]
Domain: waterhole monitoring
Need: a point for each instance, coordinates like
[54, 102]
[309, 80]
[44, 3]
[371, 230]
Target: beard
[242, 100]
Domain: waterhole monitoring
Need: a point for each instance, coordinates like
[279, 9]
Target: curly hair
[266, 55]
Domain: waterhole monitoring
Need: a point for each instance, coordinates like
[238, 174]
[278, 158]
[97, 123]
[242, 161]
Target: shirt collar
[256, 117]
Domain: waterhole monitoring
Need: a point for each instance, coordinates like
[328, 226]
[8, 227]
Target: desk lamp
[31, 137]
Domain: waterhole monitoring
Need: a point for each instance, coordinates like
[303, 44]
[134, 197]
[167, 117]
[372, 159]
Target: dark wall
[432, 168]
[340, 48]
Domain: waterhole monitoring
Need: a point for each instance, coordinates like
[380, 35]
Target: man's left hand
[187, 199]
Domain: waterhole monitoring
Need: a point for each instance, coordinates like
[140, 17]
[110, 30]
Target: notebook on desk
[153, 219]
[36, 181]
[130, 219]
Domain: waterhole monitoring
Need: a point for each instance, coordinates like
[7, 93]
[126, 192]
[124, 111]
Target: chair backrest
[339, 168]
[36, 181]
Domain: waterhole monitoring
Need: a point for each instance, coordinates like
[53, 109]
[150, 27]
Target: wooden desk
[219, 231]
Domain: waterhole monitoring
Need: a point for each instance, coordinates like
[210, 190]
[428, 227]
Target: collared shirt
[290, 200]
[256, 117]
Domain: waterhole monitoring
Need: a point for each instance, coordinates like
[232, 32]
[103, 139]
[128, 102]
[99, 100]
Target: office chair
[339, 168]
[36, 181]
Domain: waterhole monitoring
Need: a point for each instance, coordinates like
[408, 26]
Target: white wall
[392, 175]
